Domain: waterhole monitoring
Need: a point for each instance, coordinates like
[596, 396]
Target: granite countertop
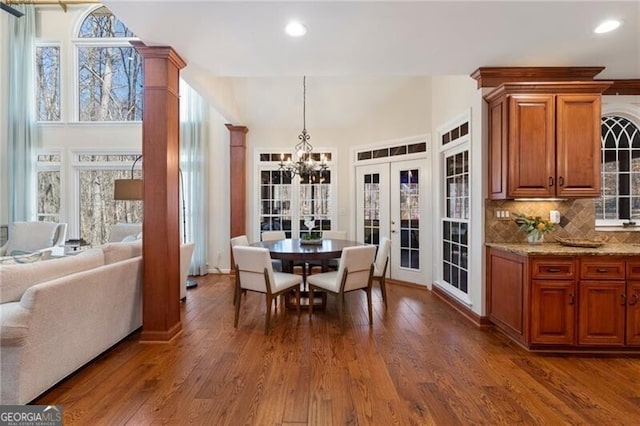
[557, 249]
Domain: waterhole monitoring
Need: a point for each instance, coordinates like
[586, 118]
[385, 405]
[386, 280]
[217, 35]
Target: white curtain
[193, 163]
[21, 120]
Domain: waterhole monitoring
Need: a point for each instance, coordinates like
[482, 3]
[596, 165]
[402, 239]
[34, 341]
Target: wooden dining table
[293, 251]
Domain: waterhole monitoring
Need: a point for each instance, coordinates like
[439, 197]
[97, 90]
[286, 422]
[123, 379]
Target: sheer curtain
[193, 162]
[21, 120]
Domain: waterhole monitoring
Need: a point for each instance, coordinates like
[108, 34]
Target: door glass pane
[409, 218]
[371, 208]
[275, 201]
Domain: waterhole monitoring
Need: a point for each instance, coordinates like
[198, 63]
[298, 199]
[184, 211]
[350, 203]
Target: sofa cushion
[115, 252]
[16, 279]
[30, 236]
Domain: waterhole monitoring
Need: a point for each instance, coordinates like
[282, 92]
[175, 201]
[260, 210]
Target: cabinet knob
[634, 299]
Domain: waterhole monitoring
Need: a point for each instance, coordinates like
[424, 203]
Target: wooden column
[238, 181]
[161, 226]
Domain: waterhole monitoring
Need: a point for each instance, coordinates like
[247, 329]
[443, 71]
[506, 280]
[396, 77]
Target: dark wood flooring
[421, 363]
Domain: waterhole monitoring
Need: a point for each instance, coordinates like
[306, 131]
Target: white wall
[452, 96]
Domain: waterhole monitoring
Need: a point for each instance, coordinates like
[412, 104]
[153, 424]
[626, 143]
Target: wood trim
[624, 87]
[237, 182]
[477, 320]
[547, 87]
[495, 76]
[161, 227]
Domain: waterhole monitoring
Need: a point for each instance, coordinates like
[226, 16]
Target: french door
[392, 202]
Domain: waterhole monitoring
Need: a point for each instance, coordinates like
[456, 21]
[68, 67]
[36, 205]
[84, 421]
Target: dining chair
[240, 240]
[274, 236]
[380, 266]
[255, 273]
[332, 263]
[354, 273]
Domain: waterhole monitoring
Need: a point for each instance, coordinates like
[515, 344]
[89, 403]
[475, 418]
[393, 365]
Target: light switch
[554, 216]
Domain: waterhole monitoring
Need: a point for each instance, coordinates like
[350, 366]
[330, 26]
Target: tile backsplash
[577, 221]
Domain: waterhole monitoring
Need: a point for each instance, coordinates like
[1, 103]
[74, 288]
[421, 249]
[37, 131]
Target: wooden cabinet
[544, 140]
[565, 303]
[553, 312]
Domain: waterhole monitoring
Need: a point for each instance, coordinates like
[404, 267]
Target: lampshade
[127, 189]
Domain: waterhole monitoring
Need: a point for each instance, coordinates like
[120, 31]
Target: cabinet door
[601, 313]
[553, 312]
[531, 146]
[633, 313]
[578, 145]
[498, 131]
[507, 275]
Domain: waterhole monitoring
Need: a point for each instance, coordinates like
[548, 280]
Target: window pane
[48, 83]
[98, 210]
[49, 196]
[101, 23]
[110, 84]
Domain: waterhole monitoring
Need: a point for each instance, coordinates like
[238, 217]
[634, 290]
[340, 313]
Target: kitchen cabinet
[544, 140]
[553, 300]
[559, 302]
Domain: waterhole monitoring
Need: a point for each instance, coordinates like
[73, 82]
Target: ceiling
[389, 39]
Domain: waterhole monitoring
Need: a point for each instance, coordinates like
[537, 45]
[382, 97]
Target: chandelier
[304, 163]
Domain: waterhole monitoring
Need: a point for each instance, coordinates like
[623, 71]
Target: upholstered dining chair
[255, 273]
[240, 240]
[274, 236]
[333, 263]
[380, 266]
[354, 273]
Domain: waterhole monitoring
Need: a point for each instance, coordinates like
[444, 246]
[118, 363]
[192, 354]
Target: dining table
[295, 251]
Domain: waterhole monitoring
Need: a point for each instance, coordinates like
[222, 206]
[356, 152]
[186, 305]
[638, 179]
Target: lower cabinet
[565, 303]
[553, 312]
[601, 313]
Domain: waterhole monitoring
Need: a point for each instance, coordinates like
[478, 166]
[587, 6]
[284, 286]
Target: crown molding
[623, 87]
[495, 76]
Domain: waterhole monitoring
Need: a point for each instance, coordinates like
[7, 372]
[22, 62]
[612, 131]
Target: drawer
[602, 268]
[555, 268]
[633, 268]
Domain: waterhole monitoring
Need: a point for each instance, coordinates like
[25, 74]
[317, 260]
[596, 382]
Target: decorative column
[161, 227]
[238, 181]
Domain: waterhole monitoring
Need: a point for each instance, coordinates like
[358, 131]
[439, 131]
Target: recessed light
[295, 29]
[607, 26]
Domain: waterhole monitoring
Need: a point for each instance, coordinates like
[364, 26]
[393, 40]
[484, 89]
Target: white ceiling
[386, 39]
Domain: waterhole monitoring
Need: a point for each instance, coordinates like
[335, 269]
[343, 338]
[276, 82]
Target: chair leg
[267, 320]
[341, 311]
[236, 301]
[368, 290]
[383, 287]
[310, 301]
[298, 301]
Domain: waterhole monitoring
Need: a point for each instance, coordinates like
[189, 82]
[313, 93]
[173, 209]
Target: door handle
[634, 299]
[560, 181]
[623, 298]
[572, 298]
[550, 180]
[393, 231]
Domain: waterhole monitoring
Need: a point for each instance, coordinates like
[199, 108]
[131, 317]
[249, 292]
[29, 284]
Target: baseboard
[474, 318]
[160, 336]
[405, 284]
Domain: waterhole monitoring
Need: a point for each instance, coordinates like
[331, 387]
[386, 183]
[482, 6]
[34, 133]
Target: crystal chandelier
[303, 162]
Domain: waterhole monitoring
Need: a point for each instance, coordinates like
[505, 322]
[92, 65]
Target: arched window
[110, 77]
[620, 192]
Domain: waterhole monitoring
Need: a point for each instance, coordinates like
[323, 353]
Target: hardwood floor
[419, 364]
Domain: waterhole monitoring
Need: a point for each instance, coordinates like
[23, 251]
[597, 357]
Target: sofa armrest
[14, 324]
[3, 249]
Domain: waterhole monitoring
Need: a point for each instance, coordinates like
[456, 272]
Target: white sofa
[27, 237]
[56, 315]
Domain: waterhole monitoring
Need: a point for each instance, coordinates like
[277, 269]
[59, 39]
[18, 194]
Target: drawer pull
[623, 298]
[602, 270]
[572, 298]
[554, 270]
[634, 299]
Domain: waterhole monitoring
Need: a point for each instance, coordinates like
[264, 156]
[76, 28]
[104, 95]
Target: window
[409, 219]
[97, 210]
[455, 223]
[48, 82]
[110, 80]
[620, 186]
[48, 192]
[289, 203]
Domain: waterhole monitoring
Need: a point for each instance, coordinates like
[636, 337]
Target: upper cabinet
[544, 140]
